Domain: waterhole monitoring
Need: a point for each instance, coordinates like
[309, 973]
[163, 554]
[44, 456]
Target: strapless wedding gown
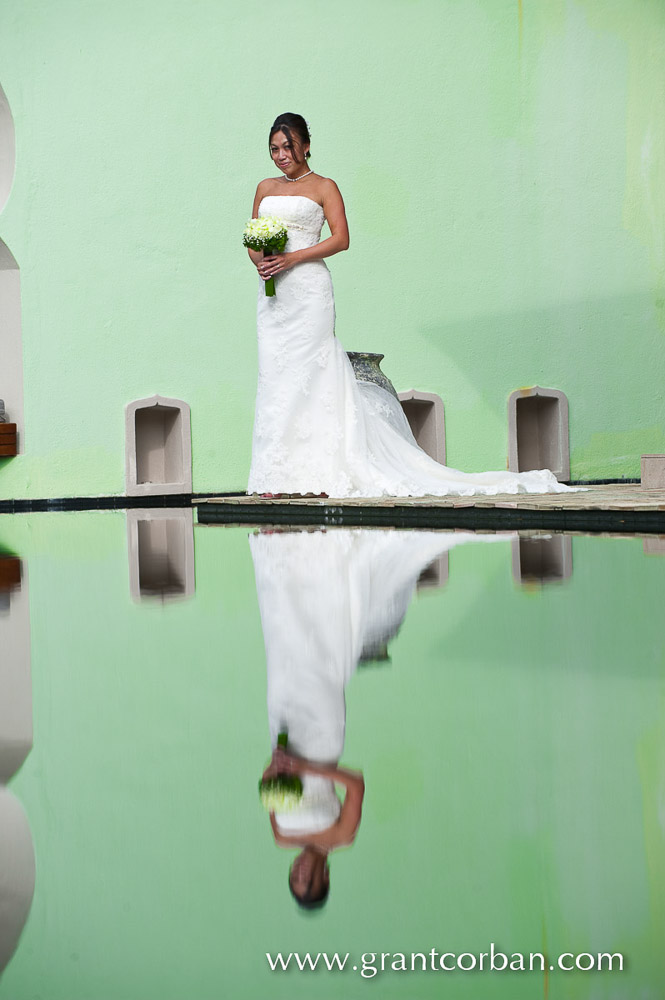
[317, 430]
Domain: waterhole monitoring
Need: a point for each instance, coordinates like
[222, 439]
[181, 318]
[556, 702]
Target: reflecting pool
[476, 725]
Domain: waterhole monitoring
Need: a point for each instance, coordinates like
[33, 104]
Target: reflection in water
[513, 758]
[329, 600]
[17, 873]
[10, 577]
[17, 862]
[160, 543]
[15, 689]
[435, 575]
[654, 545]
[542, 558]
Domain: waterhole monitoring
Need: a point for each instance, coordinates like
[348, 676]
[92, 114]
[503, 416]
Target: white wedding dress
[318, 430]
[324, 598]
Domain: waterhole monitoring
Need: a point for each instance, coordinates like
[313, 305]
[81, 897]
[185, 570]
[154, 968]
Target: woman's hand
[276, 264]
[286, 763]
[282, 762]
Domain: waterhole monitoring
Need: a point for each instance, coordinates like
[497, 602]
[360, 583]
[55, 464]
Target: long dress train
[317, 430]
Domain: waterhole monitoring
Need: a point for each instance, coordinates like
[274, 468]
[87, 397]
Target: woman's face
[289, 158]
[309, 870]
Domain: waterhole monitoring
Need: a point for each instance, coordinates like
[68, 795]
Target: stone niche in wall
[158, 447]
[11, 356]
[11, 359]
[7, 149]
[538, 431]
[425, 413]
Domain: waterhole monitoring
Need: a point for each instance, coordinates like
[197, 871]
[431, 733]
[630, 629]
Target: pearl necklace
[294, 179]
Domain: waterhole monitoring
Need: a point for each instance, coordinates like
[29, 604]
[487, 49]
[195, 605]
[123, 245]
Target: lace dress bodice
[303, 217]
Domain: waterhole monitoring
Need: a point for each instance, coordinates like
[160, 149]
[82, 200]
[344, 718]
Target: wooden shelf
[10, 572]
[7, 440]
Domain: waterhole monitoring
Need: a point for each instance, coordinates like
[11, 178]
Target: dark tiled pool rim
[469, 513]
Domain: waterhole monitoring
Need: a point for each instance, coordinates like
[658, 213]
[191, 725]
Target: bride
[317, 431]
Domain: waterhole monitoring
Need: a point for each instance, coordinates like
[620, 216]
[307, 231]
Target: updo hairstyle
[289, 123]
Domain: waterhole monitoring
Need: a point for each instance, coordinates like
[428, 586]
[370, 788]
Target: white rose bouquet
[269, 235]
[278, 791]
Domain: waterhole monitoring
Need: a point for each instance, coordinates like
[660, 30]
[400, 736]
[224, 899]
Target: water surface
[507, 716]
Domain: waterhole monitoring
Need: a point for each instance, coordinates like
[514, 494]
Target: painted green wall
[512, 778]
[503, 166]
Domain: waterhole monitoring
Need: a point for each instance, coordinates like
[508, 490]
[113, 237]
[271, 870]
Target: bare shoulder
[263, 185]
[328, 188]
[263, 189]
[330, 197]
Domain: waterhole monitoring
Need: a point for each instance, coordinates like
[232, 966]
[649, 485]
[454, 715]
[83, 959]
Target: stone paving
[618, 507]
[612, 497]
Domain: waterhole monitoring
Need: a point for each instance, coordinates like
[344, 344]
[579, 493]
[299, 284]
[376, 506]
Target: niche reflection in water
[654, 546]
[542, 558]
[17, 861]
[160, 543]
[328, 600]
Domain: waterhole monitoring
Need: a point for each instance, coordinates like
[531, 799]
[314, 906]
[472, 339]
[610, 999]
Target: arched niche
[11, 350]
[158, 447]
[425, 413]
[538, 431]
[7, 149]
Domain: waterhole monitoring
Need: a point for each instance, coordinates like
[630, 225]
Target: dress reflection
[328, 600]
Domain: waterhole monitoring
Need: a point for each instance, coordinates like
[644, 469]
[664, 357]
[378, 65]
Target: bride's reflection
[328, 600]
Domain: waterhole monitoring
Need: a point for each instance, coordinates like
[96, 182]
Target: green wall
[503, 166]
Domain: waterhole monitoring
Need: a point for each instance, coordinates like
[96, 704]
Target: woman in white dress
[326, 599]
[316, 430]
